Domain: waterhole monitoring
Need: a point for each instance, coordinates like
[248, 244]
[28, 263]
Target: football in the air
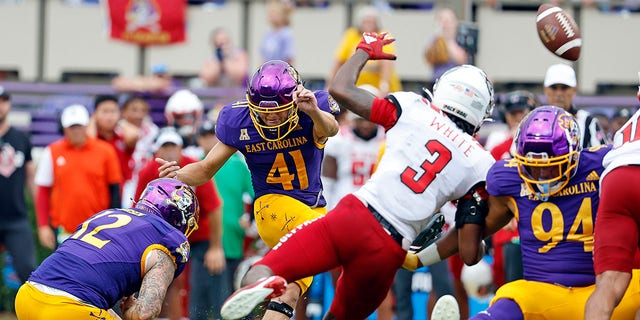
[558, 32]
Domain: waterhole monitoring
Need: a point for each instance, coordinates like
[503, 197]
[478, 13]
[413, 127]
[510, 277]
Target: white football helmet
[465, 92]
[184, 111]
[477, 280]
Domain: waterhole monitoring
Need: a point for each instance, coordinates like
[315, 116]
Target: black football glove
[473, 207]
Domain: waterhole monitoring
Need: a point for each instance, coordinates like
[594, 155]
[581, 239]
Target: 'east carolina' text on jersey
[428, 162]
[290, 166]
[112, 242]
[556, 233]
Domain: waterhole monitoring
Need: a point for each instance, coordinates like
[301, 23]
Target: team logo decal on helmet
[270, 91]
[547, 150]
[172, 200]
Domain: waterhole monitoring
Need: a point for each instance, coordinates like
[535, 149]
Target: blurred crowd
[106, 156]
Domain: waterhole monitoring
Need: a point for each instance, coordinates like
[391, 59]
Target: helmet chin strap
[545, 189]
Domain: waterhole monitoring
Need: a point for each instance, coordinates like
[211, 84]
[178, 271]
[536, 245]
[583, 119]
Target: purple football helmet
[270, 90]
[547, 149]
[172, 200]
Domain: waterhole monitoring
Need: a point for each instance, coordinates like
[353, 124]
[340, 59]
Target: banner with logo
[148, 22]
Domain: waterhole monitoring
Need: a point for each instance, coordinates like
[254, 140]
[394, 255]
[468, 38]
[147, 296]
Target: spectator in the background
[207, 256]
[516, 105]
[184, 111]
[621, 116]
[443, 52]
[105, 125]
[605, 123]
[77, 176]
[312, 3]
[233, 181]
[278, 43]
[135, 111]
[228, 65]
[560, 88]
[16, 176]
[159, 81]
[380, 74]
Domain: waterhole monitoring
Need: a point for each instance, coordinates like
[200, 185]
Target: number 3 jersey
[428, 161]
[290, 166]
[104, 260]
[556, 236]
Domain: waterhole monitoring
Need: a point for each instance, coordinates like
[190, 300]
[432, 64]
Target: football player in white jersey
[431, 158]
[617, 228]
[350, 158]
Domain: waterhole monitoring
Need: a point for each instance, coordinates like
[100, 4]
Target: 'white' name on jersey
[428, 161]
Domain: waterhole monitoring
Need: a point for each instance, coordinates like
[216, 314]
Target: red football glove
[372, 43]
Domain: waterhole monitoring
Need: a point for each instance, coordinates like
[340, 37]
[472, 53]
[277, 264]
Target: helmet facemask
[270, 92]
[547, 150]
[546, 176]
[275, 132]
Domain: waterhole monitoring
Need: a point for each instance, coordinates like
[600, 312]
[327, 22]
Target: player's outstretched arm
[158, 277]
[343, 87]
[197, 173]
[467, 238]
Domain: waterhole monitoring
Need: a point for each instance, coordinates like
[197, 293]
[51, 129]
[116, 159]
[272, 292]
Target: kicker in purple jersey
[556, 236]
[101, 263]
[289, 166]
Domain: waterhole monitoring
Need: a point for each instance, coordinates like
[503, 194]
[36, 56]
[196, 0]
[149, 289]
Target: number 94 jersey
[556, 236]
[103, 260]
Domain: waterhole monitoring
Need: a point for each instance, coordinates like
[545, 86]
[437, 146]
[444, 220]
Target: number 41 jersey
[289, 166]
[556, 236]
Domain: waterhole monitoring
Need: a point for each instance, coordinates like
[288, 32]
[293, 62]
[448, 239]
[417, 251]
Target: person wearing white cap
[77, 175]
[560, 88]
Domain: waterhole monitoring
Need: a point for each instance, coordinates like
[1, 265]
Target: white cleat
[446, 308]
[241, 303]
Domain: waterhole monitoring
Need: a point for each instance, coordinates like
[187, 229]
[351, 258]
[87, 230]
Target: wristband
[429, 256]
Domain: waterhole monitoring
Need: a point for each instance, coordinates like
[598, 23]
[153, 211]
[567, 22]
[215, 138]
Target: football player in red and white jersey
[430, 159]
[617, 228]
[350, 158]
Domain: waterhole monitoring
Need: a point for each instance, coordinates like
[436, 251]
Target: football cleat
[431, 233]
[446, 308]
[241, 303]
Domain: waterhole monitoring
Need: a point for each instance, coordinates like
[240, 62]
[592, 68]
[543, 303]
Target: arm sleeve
[384, 113]
[44, 170]
[43, 202]
[143, 178]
